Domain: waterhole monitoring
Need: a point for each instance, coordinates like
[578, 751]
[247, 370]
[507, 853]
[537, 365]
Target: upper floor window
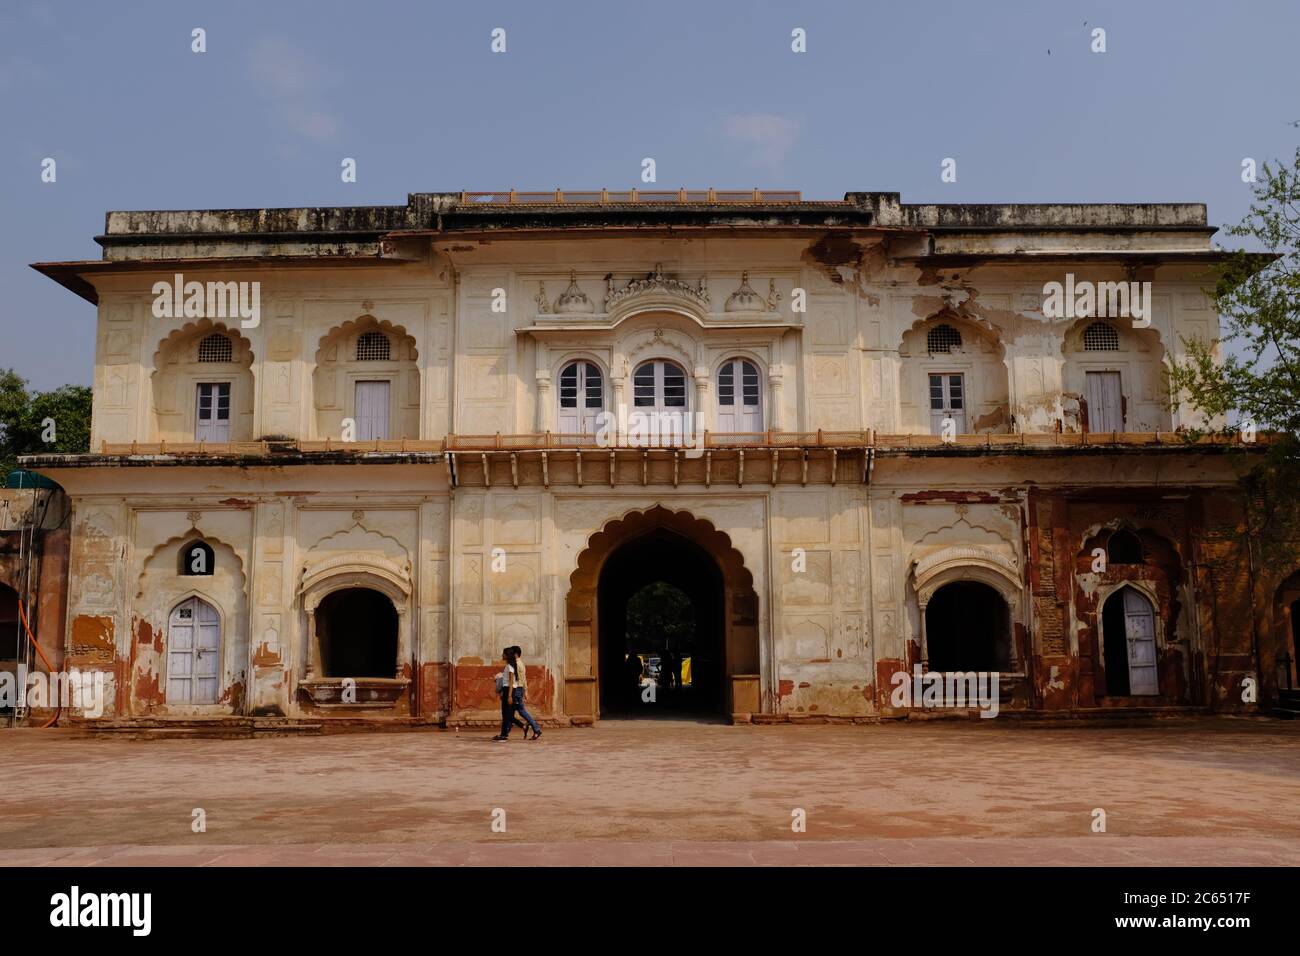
[1124, 547]
[582, 398]
[216, 348]
[1100, 337]
[212, 416]
[371, 410]
[659, 385]
[197, 558]
[942, 339]
[373, 347]
[740, 405]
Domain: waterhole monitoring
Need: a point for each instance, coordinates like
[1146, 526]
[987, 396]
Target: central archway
[663, 557]
[690, 556]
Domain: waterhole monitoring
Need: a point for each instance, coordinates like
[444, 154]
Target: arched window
[197, 559]
[373, 347]
[659, 385]
[1124, 548]
[347, 613]
[740, 401]
[582, 398]
[193, 652]
[942, 339]
[1100, 337]
[216, 348]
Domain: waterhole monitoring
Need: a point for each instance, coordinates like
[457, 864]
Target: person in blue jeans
[505, 684]
[520, 691]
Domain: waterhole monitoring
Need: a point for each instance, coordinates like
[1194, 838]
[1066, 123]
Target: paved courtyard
[665, 792]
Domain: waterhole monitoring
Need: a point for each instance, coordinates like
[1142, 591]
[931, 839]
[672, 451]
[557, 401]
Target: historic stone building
[341, 457]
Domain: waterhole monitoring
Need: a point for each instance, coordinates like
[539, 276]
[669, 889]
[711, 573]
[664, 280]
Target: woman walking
[520, 692]
[505, 688]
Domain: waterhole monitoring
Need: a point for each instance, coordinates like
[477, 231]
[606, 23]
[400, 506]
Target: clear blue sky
[584, 91]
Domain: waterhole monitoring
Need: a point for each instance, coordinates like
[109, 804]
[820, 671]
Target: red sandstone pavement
[1098, 851]
[658, 793]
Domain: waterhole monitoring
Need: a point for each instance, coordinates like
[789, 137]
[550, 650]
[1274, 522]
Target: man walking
[519, 692]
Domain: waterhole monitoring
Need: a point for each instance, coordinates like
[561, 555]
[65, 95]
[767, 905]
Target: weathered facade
[394, 465]
[34, 550]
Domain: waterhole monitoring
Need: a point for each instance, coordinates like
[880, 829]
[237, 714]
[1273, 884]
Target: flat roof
[153, 240]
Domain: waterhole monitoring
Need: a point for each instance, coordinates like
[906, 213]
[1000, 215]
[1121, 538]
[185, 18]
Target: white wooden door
[1140, 630]
[193, 653]
[659, 389]
[582, 398]
[212, 419]
[740, 406]
[1105, 402]
[372, 410]
[947, 400]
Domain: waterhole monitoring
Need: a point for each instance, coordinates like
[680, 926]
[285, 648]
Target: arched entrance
[968, 628]
[193, 652]
[1128, 630]
[357, 631]
[717, 623]
[643, 578]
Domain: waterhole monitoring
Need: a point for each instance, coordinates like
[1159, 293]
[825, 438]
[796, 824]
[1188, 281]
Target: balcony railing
[555, 441]
[514, 197]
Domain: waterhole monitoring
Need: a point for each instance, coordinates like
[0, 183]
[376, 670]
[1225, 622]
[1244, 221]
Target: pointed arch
[160, 590]
[1130, 640]
[203, 390]
[366, 371]
[953, 375]
[742, 655]
[1115, 376]
[353, 329]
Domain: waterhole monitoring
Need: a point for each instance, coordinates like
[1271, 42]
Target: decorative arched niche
[367, 370]
[657, 293]
[212, 355]
[360, 572]
[159, 588]
[978, 565]
[1133, 359]
[953, 365]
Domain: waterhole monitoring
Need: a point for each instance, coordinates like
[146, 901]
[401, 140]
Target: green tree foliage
[1257, 378]
[24, 414]
[657, 614]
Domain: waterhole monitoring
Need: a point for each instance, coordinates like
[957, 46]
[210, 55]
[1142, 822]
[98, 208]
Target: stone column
[544, 410]
[701, 409]
[776, 382]
[543, 377]
[925, 643]
[618, 379]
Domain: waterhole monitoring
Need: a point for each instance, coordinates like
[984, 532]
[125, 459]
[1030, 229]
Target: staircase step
[214, 729]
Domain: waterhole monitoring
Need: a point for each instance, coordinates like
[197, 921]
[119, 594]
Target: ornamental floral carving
[655, 281]
[573, 299]
[543, 302]
[745, 299]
